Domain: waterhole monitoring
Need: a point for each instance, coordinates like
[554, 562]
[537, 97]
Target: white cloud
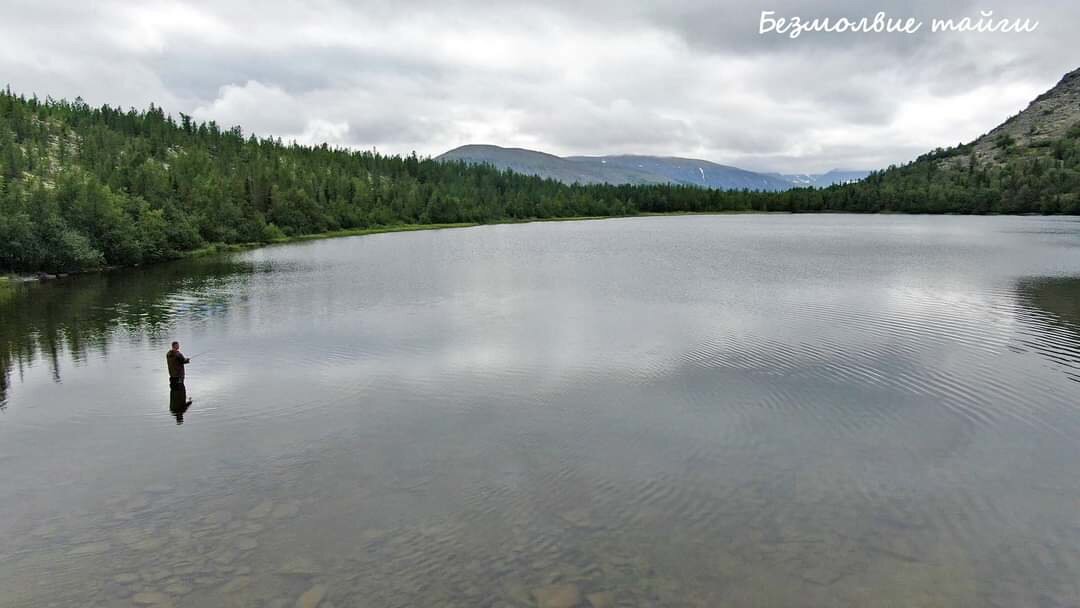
[276, 111]
[686, 77]
[320, 131]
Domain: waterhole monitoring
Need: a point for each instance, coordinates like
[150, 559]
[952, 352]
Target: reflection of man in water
[178, 402]
[176, 362]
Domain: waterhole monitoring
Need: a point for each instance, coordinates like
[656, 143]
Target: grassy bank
[7, 283]
[733, 212]
[219, 248]
[412, 227]
[231, 247]
[377, 230]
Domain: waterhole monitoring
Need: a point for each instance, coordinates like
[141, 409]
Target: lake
[772, 410]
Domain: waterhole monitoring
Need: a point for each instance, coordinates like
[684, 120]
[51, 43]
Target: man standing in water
[176, 362]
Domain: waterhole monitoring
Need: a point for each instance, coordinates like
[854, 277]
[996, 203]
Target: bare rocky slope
[1046, 119]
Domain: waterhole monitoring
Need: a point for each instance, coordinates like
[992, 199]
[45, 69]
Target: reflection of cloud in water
[836, 400]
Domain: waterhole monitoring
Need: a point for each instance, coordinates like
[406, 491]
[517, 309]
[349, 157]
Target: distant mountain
[567, 171]
[684, 171]
[639, 169]
[822, 180]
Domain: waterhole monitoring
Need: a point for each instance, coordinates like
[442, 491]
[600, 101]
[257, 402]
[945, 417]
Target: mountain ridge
[638, 169]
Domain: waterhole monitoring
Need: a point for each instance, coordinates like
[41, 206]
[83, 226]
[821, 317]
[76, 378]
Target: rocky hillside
[1028, 164]
[1046, 119]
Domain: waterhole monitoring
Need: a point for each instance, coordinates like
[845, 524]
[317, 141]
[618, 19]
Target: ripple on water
[818, 411]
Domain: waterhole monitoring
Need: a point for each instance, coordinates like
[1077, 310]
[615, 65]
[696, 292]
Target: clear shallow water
[683, 411]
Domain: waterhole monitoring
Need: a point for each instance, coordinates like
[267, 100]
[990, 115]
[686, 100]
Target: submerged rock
[136, 504]
[237, 584]
[252, 528]
[178, 589]
[285, 511]
[217, 518]
[261, 510]
[126, 578]
[603, 599]
[180, 534]
[246, 544]
[155, 576]
[130, 536]
[518, 593]
[148, 598]
[45, 531]
[183, 569]
[123, 592]
[299, 565]
[148, 544]
[822, 574]
[581, 518]
[312, 597]
[90, 549]
[223, 557]
[557, 596]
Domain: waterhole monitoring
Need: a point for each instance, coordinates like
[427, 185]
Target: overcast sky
[680, 78]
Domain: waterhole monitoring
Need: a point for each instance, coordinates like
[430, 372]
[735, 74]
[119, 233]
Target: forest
[86, 187]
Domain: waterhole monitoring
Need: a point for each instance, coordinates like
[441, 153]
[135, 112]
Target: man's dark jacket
[176, 361]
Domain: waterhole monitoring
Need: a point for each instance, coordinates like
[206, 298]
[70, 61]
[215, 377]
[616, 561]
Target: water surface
[682, 411]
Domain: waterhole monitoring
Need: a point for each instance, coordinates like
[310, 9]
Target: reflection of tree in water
[83, 314]
[4, 375]
[1057, 302]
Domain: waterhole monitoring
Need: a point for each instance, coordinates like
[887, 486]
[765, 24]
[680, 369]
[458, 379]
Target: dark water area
[675, 411]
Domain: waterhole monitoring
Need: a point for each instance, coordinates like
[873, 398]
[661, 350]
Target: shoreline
[334, 234]
[10, 280]
[217, 248]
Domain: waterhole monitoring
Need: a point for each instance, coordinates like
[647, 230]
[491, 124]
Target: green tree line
[84, 187]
